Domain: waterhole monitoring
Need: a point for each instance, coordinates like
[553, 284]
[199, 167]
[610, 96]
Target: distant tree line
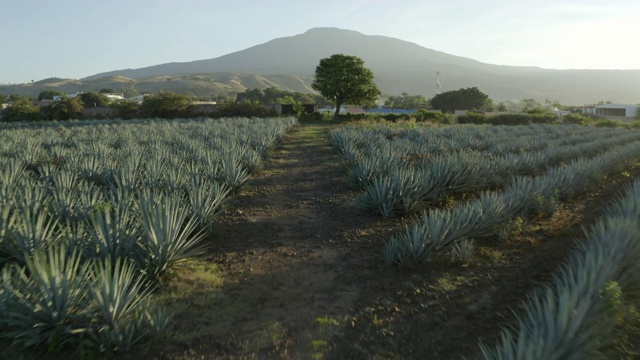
[163, 104]
[406, 101]
[274, 95]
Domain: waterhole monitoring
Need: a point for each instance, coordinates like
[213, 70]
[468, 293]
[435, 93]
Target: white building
[618, 110]
[137, 99]
[70, 96]
[114, 96]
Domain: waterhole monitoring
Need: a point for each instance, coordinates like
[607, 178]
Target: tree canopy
[464, 99]
[345, 80]
[49, 94]
[274, 95]
[165, 104]
[20, 109]
[406, 101]
[125, 109]
[253, 95]
[64, 109]
[93, 99]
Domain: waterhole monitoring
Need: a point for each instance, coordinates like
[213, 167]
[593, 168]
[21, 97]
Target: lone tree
[165, 104]
[345, 80]
[64, 109]
[94, 99]
[49, 94]
[464, 99]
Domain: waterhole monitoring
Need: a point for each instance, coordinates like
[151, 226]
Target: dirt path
[294, 272]
[280, 248]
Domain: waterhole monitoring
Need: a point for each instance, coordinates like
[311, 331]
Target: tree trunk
[338, 105]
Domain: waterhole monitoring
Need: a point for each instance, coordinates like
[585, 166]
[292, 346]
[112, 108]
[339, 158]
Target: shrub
[243, 109]
[165, 104]
[395, 117]
[472, 118]
[633, 125]
[125, 109]
[436, 117]
[577, 119]
[315, 116]
[522, 119]
[613, 123]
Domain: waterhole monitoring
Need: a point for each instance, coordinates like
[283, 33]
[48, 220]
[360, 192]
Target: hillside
[399, 66]
[198, 84]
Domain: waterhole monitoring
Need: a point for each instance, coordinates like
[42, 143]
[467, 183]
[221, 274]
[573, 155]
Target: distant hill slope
[399, 66]
[199, 84]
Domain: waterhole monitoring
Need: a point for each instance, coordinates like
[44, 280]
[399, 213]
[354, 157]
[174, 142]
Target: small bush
[576, 119]
[472, 118]
[633, 125]
[315, 116]
[243, 109]
[436, 117]
[609, 123]
[395, 117]
[523, 119]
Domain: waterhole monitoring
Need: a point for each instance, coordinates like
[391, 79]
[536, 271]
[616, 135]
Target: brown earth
[295, 272]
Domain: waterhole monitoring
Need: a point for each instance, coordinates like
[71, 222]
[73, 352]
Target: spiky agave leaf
[232, 173]
[168, 235]
[114, 234]
[32, 229]
[45, 299]
[121, 305]
[207, 200]
[574, 317]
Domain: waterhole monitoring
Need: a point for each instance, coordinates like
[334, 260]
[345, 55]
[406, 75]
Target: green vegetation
[244, 109]
[273, 95]
[345, 80]
[464, 99]
[92, 217]
[19, 109]
[165, 104]
[125, 109]
[64, 109]
[94, 99]
[406, 101]
[586, 312]
[508, 119]
[49, 94]
[402, 170]
[436, 117]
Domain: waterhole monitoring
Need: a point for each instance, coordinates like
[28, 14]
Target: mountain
[399, 66]
[300, 55]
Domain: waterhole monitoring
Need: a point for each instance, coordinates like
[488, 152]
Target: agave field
[516, 171]
[93, 214]
[498, 176]
[402, 171]
[581, 312]
[96, 216]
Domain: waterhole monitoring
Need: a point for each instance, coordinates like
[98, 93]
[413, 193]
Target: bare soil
[294, 271]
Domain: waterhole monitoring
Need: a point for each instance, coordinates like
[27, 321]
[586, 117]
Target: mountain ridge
[399, 66]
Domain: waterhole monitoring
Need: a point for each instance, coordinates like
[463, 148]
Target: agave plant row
[438, 229]
[583, 313]
[403, 171]
[92, 216]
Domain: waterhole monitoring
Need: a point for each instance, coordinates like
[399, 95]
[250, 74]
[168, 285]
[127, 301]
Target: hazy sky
[78, 38]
